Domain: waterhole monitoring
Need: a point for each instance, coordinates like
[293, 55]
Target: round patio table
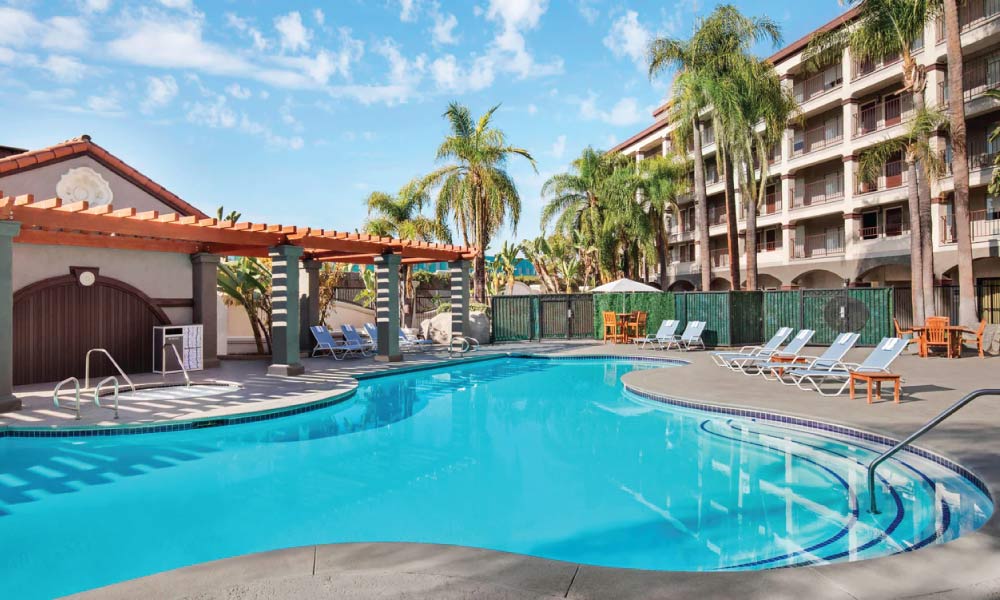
[954, 339]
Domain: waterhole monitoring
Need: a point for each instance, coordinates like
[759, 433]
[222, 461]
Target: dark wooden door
[57, 321]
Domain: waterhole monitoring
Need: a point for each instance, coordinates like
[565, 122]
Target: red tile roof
[83, 145]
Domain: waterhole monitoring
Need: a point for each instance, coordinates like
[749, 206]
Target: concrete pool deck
[966, 568]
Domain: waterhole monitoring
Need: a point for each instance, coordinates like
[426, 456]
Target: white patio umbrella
[624, 285]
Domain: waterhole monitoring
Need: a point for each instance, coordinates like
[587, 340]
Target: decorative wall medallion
[84, 184]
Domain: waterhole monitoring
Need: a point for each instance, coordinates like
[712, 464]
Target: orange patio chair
[907, 335]
[611, 330]
[637, 325]
[977, 336]
[936, 335]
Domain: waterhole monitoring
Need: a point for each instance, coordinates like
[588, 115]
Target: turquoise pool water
[544, 457]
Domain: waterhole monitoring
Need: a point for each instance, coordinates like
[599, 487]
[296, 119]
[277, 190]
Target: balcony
[820, 245]
[817, 138]
[892, 230]
[771, 246]
[979, 75]
[821, 83]
[718, 258]
[971, 14]
[876, 116]
[820, 191]
[860, 68]
[985, 225]
[894, 175]
[717, 215]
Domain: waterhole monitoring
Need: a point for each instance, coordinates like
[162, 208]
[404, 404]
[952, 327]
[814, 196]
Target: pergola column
[205, 282]
[387, 307]
[285, 311]
[309, 303]
[8, 230]
[459, 270]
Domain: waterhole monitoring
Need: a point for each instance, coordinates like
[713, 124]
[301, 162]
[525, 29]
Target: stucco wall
[42, 183]
[156, 274]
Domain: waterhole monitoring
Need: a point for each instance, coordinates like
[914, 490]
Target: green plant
[331, 275]
[246, 282]
[366, 297]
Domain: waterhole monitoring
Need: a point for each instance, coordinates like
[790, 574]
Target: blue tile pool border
[841, 430]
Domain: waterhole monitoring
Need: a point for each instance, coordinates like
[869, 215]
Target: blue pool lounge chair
[877, 362]
[353, 343]
[666, 332]
[832, 355]
[725, 358]
[406, 341]
[690, 337]
[324, 341]
[752, 365]
[336, 348]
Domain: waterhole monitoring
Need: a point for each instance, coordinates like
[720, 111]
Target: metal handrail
[86, 368]
[927, 427]
[97, 391]
[76, 384]
[180, 362]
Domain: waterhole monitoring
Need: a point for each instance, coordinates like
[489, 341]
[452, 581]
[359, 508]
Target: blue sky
[293, 112]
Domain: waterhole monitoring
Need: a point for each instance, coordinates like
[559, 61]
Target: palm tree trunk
[479, 264]
[701, 208]
[732, 231]
[960, 167]
[662, 252]
[916, 271]
[410, 304]
[926, 239]
[751, 234]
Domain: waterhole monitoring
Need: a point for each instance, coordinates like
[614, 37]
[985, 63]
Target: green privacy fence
[541, 316]
[867, 311]
[657, 305]
[731, 318]
[514, 318]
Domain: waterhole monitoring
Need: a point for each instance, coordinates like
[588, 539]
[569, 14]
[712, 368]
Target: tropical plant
[885, 28]
[366, 297]
[399, 216]
[662, 181]
[331, 275]
[507, 258]
[710, 66]
[537, 252]
[232, 217]
[568, 268]
[474, 190]
[960, 165]
[246, 282]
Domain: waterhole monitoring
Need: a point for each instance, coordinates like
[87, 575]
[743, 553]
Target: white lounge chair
[724, 358]
[353, 344]
[840, 372]
[666, 332]
[834, 353]
[752, 365]
[690, 337]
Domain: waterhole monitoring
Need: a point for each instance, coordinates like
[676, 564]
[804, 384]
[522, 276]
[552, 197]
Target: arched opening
[720, 285]
[765, 282]
[681, 285]
[886, 275]
[819, 279]
[57, 320]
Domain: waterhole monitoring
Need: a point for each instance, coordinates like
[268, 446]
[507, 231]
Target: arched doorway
[681, 285]
[819, 279]
[720, 285]
[57, 320]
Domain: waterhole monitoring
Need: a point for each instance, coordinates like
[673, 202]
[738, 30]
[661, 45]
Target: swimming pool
[550, 458]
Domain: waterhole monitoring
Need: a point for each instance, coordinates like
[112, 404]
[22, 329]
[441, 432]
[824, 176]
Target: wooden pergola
[24, 220]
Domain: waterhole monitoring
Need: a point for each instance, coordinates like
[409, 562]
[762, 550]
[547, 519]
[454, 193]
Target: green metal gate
[867, 311]
[537, 317]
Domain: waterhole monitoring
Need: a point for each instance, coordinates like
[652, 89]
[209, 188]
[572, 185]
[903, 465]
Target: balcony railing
[874, 117]
[971, 14]
[717, 215]
[884, 231]
[819, 84]
[817, 138]
[894, 175]
[985, 224]
[860, 68]
[719, 257]
[979, 75]
[820, 245]
[818, 192]
[772, 246]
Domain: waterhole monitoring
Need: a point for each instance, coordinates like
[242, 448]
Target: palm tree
[885, 28]
[246, 282]
[960, 165]
[762, 99]
[706, 64]
[399, 216]
[507, 258]
[475, 190]
[663, 180]
[537, 251]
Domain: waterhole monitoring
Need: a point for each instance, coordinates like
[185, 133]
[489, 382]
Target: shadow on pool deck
[966, 568]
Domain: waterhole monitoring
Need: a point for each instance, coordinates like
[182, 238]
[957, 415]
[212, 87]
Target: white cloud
[443, 31]
[405, 74]
[588, 12]
[450, 76]
[237, 91]
[160, 91]
[97, 6]
[64, 68]
[629, 38]
[319, 16]
[625, 112]
[509, 48]
[176, 44]
[214, 114]
[532, 109]
[108, 104]
[294, 35]
[244, 26]
[559, 147]
[517, 14]
[178, 4]
[288, 118]
[65, 33]
[407, 10]
[17, 27]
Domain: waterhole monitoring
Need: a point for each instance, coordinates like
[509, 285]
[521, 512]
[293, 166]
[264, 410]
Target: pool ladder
[873, 507]
[109, 380]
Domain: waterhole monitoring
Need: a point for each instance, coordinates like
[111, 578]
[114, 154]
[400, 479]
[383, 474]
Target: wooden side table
[786, 358]
[877, 379]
